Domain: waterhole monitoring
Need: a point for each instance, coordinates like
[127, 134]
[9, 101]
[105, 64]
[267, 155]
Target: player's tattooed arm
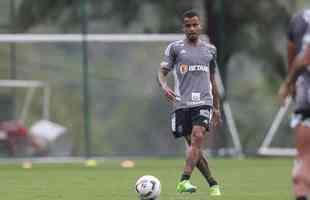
[162, 77]
[291, 54]
[299, 64]
[162, 81]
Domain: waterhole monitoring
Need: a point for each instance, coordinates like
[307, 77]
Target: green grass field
[249, 179]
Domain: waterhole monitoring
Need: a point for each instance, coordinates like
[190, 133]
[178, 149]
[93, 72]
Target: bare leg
[203, 166]
[301, 171]
[193, 153]
[299, 185]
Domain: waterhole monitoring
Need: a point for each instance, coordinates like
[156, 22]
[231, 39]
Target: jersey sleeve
[169, 58]
[291, 27]
[213, 62]
[296, 27]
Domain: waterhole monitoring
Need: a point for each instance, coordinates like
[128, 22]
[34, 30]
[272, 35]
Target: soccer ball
[148, 187]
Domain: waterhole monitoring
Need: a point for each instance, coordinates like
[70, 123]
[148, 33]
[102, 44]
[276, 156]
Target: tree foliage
[250, 36]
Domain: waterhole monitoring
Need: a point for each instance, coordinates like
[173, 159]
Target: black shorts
[300, 116]
[183, 120]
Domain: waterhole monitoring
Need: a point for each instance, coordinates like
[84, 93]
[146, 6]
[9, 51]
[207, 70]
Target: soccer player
[195, 98]
[297, 84]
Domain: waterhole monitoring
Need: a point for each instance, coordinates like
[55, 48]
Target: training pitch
[248, 179]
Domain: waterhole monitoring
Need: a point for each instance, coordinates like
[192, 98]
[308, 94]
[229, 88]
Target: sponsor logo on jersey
[183, 68]
[192, 68]
[195, 96]
[203, 68]
[193, 103]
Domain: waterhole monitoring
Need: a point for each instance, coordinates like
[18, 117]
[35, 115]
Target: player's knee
[298, 172]
[298, 178]
[198, 135]
[307, 176]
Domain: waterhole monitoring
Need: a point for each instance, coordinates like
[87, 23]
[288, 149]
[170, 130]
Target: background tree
[250, 36]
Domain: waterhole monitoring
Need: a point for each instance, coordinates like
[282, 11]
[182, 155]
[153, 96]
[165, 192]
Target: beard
[193, 37]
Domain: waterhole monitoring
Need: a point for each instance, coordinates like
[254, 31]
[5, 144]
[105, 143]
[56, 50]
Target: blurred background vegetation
[129, 114]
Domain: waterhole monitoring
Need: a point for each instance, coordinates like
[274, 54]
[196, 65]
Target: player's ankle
[185, 176]
[212, 182]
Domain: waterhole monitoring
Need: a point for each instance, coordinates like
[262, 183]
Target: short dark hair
[190, 14]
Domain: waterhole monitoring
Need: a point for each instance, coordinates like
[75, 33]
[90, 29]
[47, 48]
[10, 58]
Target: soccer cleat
[186, 186]
[215, 190]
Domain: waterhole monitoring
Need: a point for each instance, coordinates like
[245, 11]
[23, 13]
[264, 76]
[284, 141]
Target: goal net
[128, 114]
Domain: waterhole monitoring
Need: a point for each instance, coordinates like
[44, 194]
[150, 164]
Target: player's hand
[285, 91]
[170, 94]
[217, 118]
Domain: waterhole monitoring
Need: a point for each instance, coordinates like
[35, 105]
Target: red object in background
[14, 129]
[22, 131]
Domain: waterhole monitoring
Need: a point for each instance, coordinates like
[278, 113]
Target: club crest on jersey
[183, 68]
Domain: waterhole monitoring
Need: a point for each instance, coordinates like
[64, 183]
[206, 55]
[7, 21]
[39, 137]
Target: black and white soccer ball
[148, 187]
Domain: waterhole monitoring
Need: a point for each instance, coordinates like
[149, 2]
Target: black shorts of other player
[301, 116]
[183, 120]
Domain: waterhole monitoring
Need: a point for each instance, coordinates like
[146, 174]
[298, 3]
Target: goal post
[228, 114]
[50, 38]
[104, 38]
[265, 148]
[30, 86]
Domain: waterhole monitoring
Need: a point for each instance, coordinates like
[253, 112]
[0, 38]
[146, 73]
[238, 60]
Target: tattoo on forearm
[162, 77]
